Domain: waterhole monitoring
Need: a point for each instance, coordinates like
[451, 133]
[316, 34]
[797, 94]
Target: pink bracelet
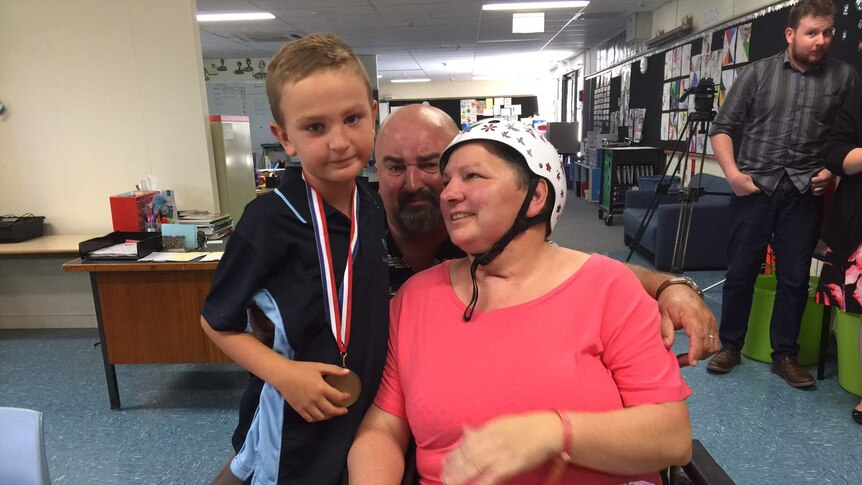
[567, 436]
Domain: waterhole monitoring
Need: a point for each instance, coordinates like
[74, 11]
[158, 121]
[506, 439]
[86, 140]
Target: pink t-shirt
[590, 344]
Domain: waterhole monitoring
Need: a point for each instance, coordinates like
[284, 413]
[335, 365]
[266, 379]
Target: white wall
[704, 13]
[100, 93]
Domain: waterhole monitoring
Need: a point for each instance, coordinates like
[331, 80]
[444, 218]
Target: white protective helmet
[541, 157]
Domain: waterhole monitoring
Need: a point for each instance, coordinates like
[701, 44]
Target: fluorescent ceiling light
[411, 80]
[528, 22]
[228, 17]
[534, 5]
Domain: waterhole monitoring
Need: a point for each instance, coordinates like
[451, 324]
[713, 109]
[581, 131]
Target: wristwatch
[679, 280]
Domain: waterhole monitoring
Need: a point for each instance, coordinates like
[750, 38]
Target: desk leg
[824, 340]
[110, 372]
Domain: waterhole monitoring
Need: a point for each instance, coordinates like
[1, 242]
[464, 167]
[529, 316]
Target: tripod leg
[654, 203]
[689, 197]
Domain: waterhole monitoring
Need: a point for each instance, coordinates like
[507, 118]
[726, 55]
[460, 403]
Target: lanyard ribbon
[337, 301]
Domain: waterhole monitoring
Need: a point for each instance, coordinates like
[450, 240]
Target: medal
[348, 383]
[337, 301]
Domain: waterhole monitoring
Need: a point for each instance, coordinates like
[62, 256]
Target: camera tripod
[697, 123]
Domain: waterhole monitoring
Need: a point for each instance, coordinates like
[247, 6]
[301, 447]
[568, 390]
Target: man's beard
[809, 58]
[421, 219]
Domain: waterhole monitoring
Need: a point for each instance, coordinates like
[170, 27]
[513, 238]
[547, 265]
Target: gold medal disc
[348, 383]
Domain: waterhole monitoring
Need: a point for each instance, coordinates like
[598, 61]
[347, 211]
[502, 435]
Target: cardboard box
[129, 211]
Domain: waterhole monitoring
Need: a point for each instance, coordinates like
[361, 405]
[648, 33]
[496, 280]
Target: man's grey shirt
[783, 117]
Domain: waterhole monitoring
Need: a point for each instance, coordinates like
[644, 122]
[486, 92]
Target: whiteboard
[249, 99]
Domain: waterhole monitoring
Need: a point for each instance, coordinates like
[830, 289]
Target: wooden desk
[149, 313]
[59, 244]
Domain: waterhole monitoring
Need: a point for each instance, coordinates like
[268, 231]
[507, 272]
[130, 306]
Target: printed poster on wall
[694, 70]
[715, 58]
[685, 63]
[677, 62]
[674, 94]
[743, 42]
[665, 122]
[469, 110]
[727, 77]
[665, 97]
[668, 65]
[672, 124]
[680, 123]
[683, 85]
[729, 47]
[638, 115]
[696, 145]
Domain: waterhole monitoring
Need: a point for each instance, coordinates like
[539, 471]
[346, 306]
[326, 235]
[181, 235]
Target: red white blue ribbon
[337, 301]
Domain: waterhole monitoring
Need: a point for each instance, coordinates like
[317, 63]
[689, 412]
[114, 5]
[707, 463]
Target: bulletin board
[720, 54]
[529, 105]
[232, 98]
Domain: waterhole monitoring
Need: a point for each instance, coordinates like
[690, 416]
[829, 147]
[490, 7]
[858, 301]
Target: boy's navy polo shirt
[271, 260]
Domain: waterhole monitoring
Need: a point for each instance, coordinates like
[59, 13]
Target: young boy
[308, 256]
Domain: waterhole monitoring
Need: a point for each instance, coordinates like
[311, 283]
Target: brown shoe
[724, 361]
[792, 372]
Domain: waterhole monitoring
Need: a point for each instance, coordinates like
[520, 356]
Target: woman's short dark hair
[815, 8]
[516, 161]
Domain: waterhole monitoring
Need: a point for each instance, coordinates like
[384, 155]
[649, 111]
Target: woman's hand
[502, 448]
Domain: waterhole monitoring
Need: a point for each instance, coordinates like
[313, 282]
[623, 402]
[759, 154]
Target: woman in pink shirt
[525, 362]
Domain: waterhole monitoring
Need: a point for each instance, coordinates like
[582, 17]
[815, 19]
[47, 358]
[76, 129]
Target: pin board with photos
[470, 110]
[650, 87]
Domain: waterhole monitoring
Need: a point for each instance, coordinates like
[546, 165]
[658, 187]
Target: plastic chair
[22, 448]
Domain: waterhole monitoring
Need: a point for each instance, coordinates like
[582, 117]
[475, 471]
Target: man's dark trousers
[790, 220]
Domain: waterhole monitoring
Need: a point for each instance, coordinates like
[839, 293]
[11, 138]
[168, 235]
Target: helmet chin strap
[521, 224]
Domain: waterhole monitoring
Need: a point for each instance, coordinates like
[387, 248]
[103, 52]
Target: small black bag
[15, 229]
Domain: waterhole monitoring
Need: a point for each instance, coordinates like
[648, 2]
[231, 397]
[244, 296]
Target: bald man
[408, 148]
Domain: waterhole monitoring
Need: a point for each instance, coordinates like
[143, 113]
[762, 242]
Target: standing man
[784, 105]
[409, 144]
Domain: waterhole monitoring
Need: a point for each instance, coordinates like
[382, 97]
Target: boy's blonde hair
[298, 59]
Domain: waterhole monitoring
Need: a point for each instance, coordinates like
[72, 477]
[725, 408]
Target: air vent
[670, 36]
[279, 37]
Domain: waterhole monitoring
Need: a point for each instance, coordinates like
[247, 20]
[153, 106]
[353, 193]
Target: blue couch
[710, 225]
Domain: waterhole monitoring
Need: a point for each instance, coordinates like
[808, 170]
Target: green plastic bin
[757, 345]
[847, 334]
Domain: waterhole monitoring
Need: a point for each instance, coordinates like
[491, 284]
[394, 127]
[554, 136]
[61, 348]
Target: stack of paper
[212, 224]
[122, 250]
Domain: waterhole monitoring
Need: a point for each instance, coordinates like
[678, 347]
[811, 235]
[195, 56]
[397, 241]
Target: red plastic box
[129, 211]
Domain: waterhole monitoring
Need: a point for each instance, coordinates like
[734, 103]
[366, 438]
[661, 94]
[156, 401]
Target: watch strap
[679, 280]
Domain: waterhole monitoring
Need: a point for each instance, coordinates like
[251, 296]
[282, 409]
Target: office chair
[22, 448]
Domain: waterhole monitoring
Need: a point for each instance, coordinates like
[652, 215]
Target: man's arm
[681, 308]
[741, 183]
